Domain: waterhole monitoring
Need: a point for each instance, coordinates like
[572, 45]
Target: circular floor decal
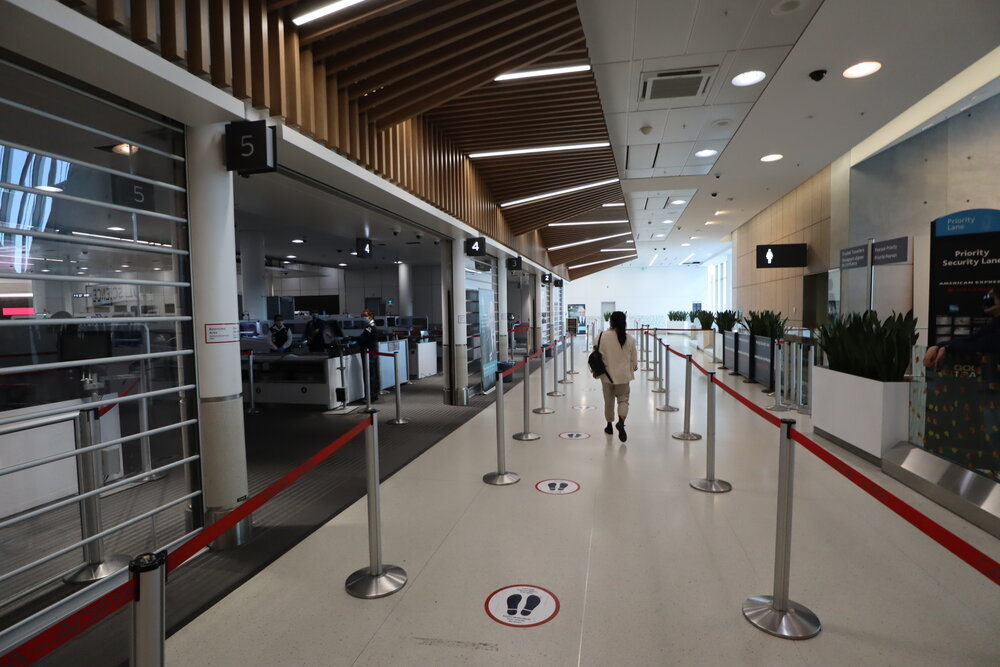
[574, 435]
[557, 487]
[584, 408]
[522, 606]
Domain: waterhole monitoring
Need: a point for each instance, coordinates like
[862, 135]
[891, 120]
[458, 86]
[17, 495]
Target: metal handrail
[107, 401]
[36, 422]
[91, 240]
[92, 279]
[31, 368]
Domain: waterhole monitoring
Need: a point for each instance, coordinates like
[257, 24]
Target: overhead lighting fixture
[84, 268]
[711, 222]
[118, 270]
[610, 205]
[156, 268]
[542, 149]
[602, 261]
[298, 240]
[45, 270]
[862, 69]
[48, 188]
[660, 236]
[617, 249]
[687, 258]
[354, 253]
[695, 238]
[325, 10]
[552, 71]
[398, 262]
[655, 257]
[285, 261]
[124, 266]
[721, 212]
[576, 243]
[707, 152]
[630, 241]
[678, 201]
[773, 157]
[685, 244]
[668, 222]
[125, 149]
[119, 238]
[342, 264]
[557, 193]
[749, 78]
[291, 256]
[116, 229]
[595, 222]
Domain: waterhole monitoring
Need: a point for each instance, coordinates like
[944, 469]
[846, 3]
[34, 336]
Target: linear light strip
[541, 149]
[595, 222]
[557, 193]
[552, 71]
[655, 257]
[617, 249]
[687, 258]
[611, 205]
[576, 243]
[325, 10]
[602, 261]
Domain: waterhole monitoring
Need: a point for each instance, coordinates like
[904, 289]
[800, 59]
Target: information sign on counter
[891, 251]
[852, 258]
[224, 332]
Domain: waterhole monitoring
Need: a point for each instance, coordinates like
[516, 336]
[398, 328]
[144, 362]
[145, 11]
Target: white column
[460, 319]
[213, 288]
[405, 290]
[503, 351]
[253, 274]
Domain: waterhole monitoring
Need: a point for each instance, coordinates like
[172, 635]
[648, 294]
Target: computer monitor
[249, 328]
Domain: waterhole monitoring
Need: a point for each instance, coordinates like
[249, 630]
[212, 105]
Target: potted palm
[765, 327]
[861, 397]
[705, 321]
[725, 320]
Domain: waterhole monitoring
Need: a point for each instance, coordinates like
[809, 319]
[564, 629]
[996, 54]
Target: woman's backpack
[596, 360]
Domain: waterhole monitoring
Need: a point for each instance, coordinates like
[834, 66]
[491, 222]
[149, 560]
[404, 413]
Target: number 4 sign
[476, 246]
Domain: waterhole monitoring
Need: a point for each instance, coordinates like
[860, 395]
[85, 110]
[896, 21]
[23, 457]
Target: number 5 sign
[250, 147]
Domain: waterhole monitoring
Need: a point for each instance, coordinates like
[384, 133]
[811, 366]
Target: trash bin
[506, 366]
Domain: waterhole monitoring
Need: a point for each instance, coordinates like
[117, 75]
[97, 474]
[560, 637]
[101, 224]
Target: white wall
[645, 292]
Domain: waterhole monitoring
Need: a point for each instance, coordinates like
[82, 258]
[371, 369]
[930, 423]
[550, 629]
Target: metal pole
[376, 580]
[88, 470]
[399, 392]
[343, 378]
[776, 614]
[555, 370]
[654, 349]
[144, 452]
[658, 355]
[686, 434]
[645, 348]
[502, 476]
[572, 353]
[541, 378]
[665, 382]
[149, 611]
[779, 356]
[366, 369]
[804, 399]
[709, 483]
[526, 434]
[253, 388]
[565, 377]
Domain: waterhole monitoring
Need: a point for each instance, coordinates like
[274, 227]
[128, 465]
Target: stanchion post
[686, 434]
[541, 381]
[342, 368]
[804, 402]
[658, 355]
[399, 392]
[709, 483]
[572, 353]
[565, 374]
[779, 375]
[149, 610]
[526, 434]
[366, 370]
[502, 476]
[665, 381]
[253, 387]
[555, 371]
[776, 614]
[377, 580]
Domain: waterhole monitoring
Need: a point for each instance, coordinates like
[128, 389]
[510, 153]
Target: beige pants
[612, 392]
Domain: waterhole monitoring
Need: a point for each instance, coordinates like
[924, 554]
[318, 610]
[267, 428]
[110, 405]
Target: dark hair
[618, 324]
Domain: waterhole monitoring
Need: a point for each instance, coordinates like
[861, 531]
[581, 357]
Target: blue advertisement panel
[487, 339]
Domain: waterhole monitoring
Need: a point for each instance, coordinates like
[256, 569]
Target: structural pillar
[253, 275]
[213, 287]
[405, 290]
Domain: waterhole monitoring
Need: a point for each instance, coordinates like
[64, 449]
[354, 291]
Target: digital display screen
[781, 255]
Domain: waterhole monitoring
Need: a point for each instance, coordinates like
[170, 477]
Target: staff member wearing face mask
[368, 340]
[281, 336]
[986, 339]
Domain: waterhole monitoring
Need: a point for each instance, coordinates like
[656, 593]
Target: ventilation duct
[681, 87]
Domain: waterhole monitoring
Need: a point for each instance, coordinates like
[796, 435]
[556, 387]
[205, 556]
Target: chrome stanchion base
[543, 411]
[683, 435]
[362, 584]
[342, 410]
[398, 421]
[525, 436]
[501, 479]
[796, 623]
[564, 381]
[555, 392]
[659, 391]
[572, 372]
[777, 408]
[666, 408]
[97, 571]
[711, 485]
[254, 411]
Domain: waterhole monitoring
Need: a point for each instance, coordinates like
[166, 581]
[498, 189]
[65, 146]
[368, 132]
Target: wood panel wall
[252, 49]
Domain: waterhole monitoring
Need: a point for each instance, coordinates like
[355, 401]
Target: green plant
[607, 316]
[692, 315]
[765, 323]
[727, 319]
[860, 344]
[706, 319]
[677, 315]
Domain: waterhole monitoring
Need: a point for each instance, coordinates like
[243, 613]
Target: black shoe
[622, 435]
[608, 429]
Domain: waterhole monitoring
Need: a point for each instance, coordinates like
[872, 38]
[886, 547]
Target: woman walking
[621, 361]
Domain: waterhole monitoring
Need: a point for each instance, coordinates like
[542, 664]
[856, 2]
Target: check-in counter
[424, 359]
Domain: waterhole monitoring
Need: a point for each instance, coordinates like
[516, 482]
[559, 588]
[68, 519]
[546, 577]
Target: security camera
[817, 74]
[420, 236]
[395, 232]
[436, 242]
[715, 194]
[718, 176]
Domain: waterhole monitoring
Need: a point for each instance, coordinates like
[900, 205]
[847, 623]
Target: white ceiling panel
[618, 127]
[684, 124]
[667, 171]
[773, 25]
[655, 203]
[608, 27]
[765, 60]
[641, 156]
[696, 170]
[613, 86]
[661, 28]
[715, 127]
[719, 25]
[673, 155]
[654, 119]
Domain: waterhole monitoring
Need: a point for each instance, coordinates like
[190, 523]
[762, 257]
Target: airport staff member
[368, 340]
[986, 339]
[281, 336]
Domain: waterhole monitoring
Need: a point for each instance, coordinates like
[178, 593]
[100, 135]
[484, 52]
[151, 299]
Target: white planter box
[867, 414]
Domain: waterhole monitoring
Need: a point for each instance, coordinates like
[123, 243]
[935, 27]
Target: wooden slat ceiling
[575, 274]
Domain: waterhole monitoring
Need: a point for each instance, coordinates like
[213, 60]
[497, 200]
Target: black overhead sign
[250, 147]
[363, 247]
[852, 258]
[476, 246]
[546, 278]
[781, 255]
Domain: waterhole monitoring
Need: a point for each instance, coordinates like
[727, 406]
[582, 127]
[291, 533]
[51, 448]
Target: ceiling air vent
[684, 86]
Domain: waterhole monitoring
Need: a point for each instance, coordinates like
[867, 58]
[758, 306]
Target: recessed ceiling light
[695, 238]
[325, 10]
[298, 240]
[617, 249]
[354, 253]
[595, 222]
[576, 243]
[602, 261]
[706, 152]
[654, 259]
[710, 222]
[48, 188]
[45, 270]
[116, 229]
[342, 264]
[678, 201]
[685, 244]
[660, 236]
[687, 258]
[397, 262]
[556, 193]
[862, 69]
[786, 7]
[773, 157]
[125, 149]
[630, 242]
[541, 149]
[80, 273]
[610, 205]
[118, 270]
[285, 261]
[83, 268]
[668, 222]
[721, 212]
[124, 266]
[291, 256]
[552, 71]
[749, 78]
[156, 268]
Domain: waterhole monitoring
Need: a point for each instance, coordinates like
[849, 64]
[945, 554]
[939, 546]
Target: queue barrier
[399, 392]
[543, 409]
[526, 434]
[502, 476]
